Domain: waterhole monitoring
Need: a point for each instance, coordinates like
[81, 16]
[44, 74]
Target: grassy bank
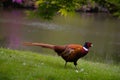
[21, 65]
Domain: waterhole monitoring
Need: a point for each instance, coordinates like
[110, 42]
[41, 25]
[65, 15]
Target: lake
[99, 28]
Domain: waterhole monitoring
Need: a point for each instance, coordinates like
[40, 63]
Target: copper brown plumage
[70, 52]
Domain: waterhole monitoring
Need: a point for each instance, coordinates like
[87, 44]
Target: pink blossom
[18, 1]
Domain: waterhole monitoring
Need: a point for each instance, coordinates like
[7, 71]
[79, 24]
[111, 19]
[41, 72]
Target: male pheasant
[70, 52]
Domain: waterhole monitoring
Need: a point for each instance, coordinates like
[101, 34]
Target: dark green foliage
[49, 8]
[112, 5]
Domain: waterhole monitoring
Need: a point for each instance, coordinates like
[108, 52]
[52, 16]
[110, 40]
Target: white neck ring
[85, 48]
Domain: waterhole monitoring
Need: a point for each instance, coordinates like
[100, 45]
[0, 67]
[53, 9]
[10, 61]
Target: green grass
[23, 65]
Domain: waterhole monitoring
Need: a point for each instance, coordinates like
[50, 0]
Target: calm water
[100, 29]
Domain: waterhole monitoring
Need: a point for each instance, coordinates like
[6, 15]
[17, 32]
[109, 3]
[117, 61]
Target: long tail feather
[39, 44]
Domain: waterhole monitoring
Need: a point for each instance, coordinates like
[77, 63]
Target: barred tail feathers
[39, 44]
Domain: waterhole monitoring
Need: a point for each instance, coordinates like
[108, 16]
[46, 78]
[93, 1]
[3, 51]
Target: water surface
[100, 29]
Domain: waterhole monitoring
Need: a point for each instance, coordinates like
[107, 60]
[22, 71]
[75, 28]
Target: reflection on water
[100, 29]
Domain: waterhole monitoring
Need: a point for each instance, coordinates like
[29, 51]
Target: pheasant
[70, 52]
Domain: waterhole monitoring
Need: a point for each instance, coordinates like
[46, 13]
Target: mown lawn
[23, 65]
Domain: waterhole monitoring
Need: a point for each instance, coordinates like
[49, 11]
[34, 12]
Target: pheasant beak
[91, 45]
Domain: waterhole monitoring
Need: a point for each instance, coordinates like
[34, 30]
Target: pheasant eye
[89, 45]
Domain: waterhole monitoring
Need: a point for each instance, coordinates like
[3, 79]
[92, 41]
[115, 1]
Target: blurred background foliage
[47, 9]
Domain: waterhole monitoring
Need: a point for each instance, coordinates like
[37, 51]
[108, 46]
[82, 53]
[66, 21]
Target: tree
[49, 8]
[112, 5]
